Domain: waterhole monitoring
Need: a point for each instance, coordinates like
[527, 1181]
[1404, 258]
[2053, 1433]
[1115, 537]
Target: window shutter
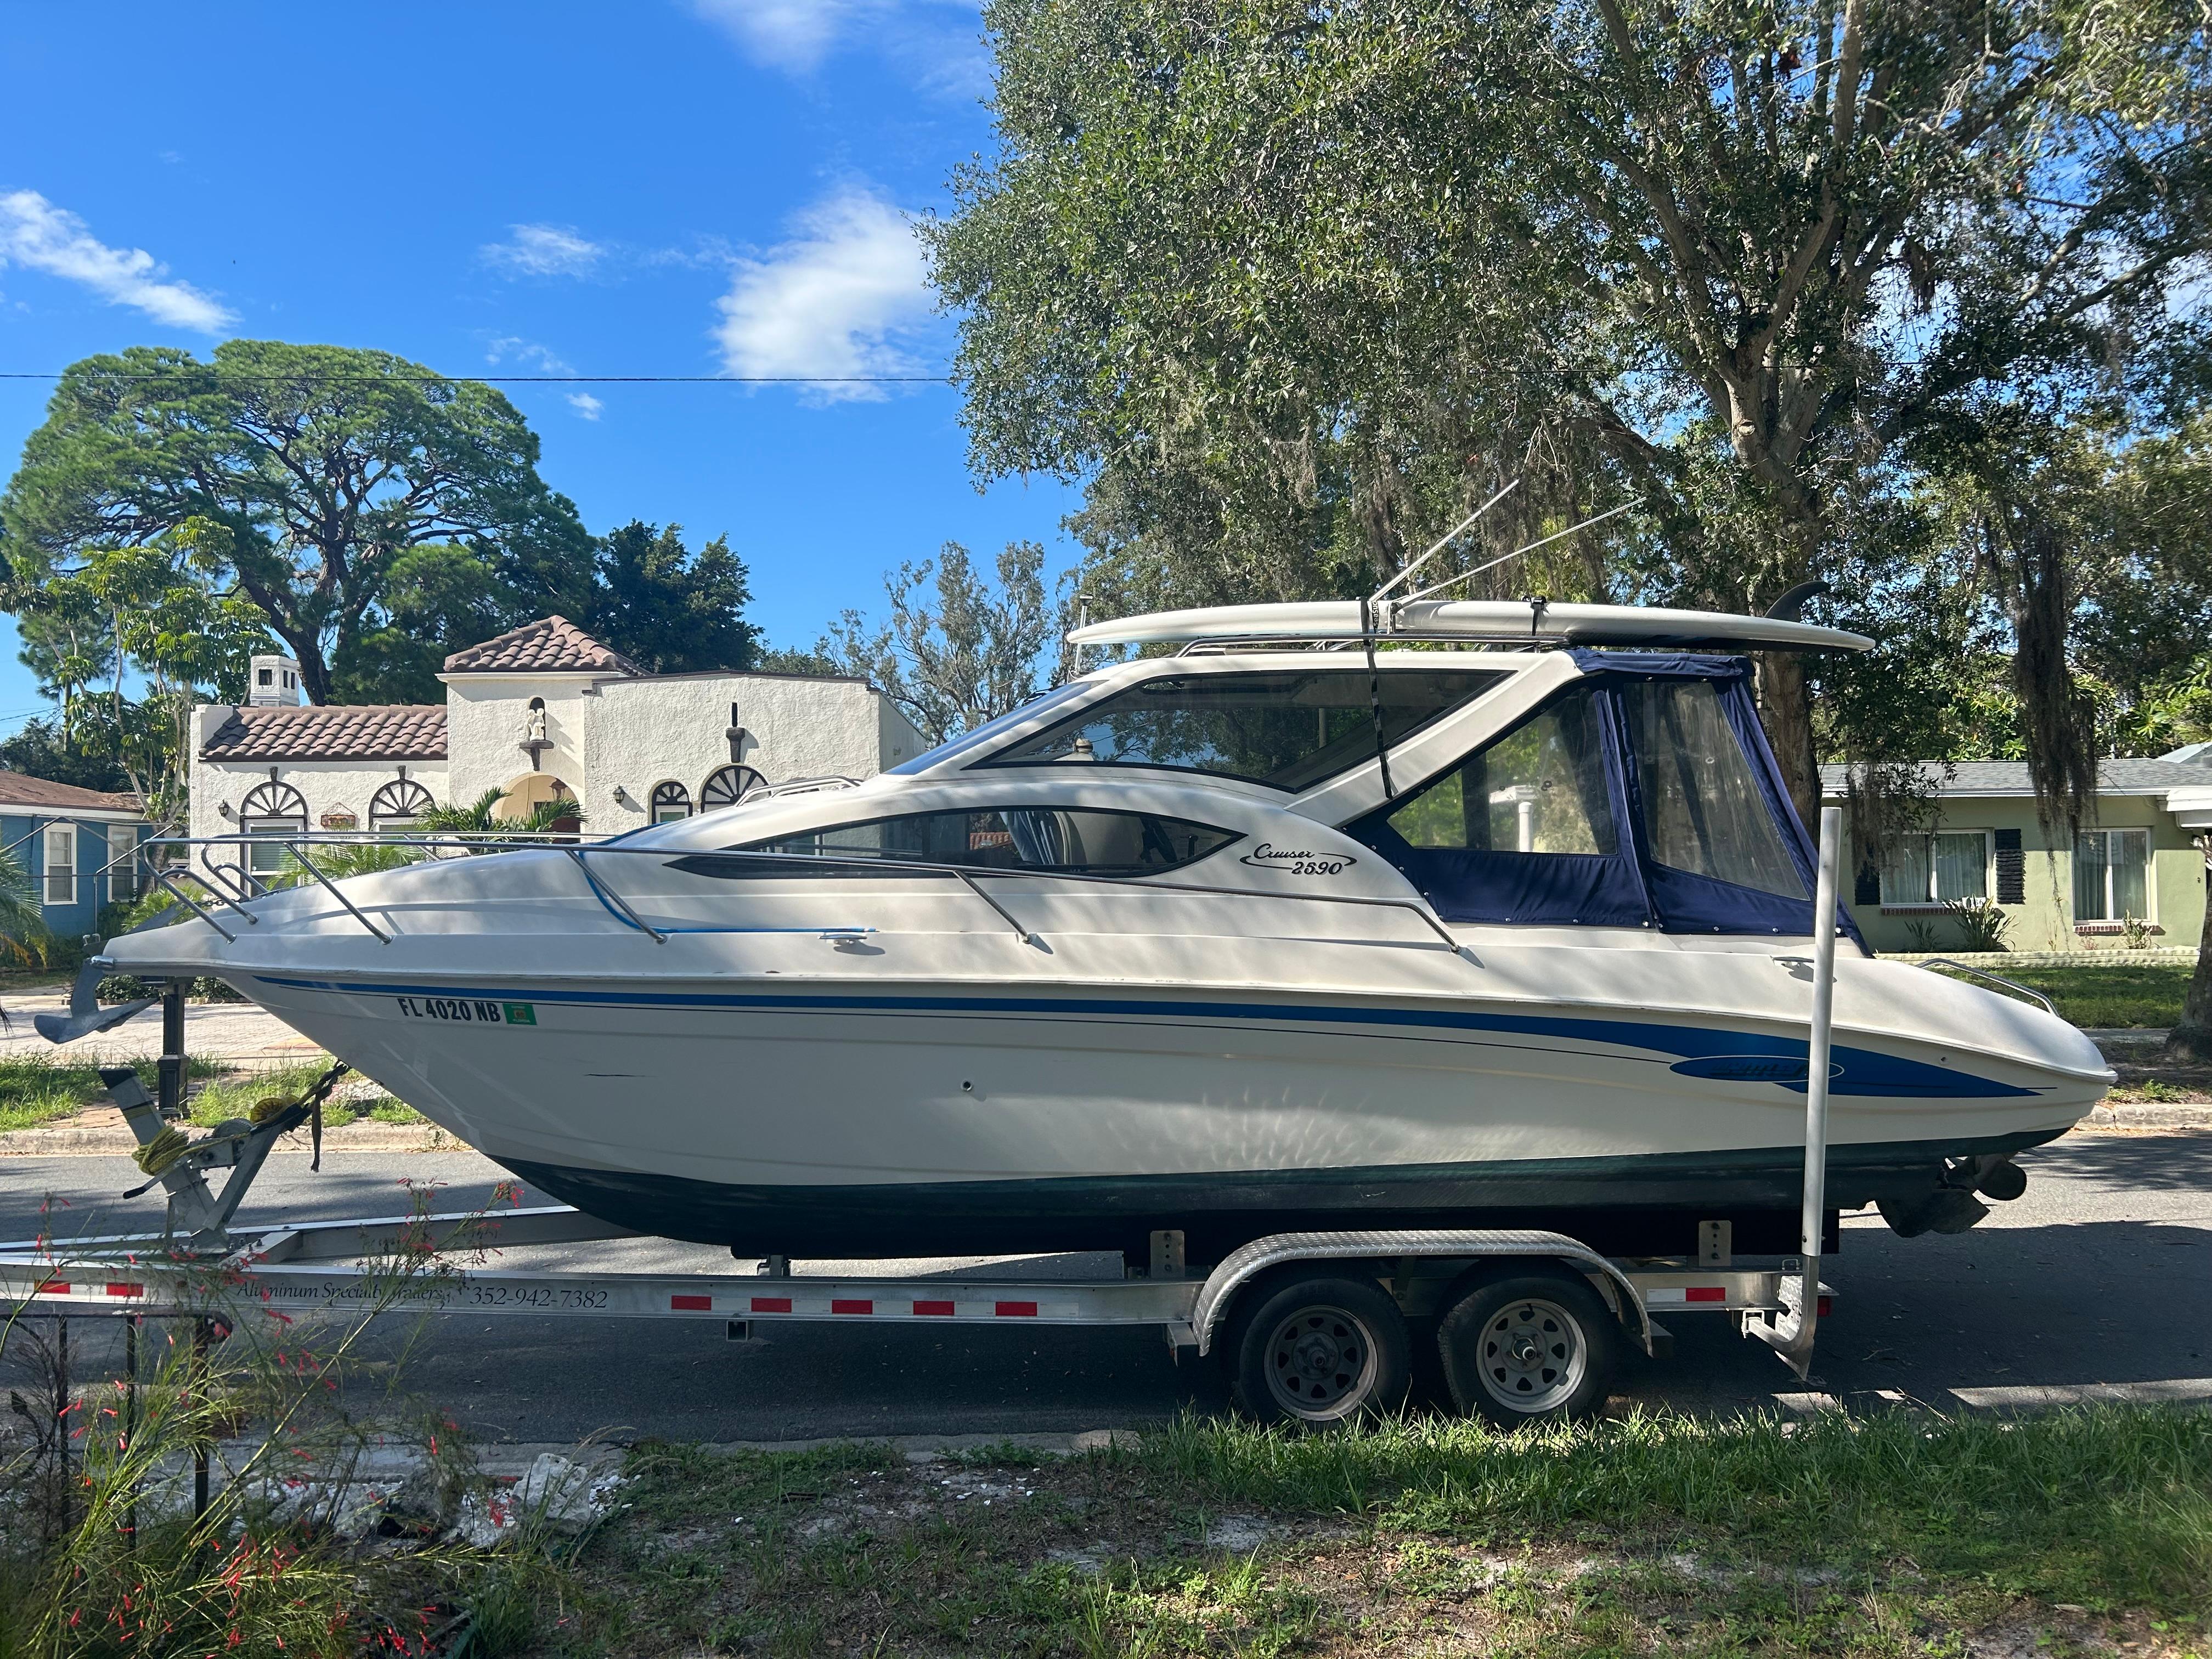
[2012, 868]
[1866, 889]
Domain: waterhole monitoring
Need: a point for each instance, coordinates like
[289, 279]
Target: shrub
[1982, 925]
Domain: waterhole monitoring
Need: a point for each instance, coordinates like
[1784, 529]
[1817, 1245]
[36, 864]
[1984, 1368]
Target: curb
[356, 1137]
[2128, 1117]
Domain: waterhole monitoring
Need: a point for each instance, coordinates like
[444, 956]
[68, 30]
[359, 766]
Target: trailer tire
[1537, 1348]
[1319, 1352]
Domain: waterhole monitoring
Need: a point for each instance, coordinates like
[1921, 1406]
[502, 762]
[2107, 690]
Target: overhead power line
[187, 372]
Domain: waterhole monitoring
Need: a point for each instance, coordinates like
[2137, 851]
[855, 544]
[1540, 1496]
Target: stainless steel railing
[970, 876]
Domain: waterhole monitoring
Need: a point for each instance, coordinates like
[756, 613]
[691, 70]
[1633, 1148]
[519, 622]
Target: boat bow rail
[612, 899]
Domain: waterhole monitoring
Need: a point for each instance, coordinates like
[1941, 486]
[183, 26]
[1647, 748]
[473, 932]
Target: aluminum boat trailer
[1313, 1326]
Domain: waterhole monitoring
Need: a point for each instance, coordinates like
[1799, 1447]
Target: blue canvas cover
[1627, 886]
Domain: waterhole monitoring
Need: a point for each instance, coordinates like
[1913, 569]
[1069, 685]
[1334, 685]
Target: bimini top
[1500, 621]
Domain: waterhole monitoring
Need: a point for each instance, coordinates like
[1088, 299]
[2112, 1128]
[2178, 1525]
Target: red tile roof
[21, 789]
[552, 645]
[396, 732]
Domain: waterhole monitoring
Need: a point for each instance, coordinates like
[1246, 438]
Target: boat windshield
[1288, 728]
[953, 748]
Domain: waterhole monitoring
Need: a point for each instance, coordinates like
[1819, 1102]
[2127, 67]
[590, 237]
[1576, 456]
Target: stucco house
[2138, 867]
[543, 712]
[79, 848]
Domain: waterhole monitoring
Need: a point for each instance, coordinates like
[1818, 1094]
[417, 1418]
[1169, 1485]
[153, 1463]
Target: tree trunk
[2191, 1041]
[1785, 707]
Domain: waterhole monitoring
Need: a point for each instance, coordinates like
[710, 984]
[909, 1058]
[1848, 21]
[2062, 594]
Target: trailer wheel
[1321, 1352]
[1531, 1348]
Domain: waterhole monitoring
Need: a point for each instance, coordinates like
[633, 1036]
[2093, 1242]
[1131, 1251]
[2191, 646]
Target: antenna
[1449, 582]
[1383, 592]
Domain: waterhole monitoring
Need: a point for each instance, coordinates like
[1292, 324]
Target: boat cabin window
[1539, 788]
[1082, 841]
[1702, 810]
[1288, 728]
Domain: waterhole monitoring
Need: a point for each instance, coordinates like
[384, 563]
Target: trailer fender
[1261, 1256]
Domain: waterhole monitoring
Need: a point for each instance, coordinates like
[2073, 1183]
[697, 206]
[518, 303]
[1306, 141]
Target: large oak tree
[322, 467]
[1290, 286]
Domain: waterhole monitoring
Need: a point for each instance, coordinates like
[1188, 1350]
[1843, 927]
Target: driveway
[2101, 1275]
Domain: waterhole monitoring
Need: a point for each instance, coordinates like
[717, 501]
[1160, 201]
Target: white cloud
[544, 251]
[37, 235]
[836, 300]
[502, 348]
[936, 42]
[586, 404]
[792, 36]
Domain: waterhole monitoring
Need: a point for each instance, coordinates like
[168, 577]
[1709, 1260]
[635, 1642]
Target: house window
[61, 864]
[122, 859]
[2112, 875]
[279, 812]
[395, 809]
[726, 785]
[1944, 868]
[671, 801]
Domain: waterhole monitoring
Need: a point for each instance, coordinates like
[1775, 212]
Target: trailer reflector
[771, 1304]
[1705, 1294]
[1016, 1309]
[52, 1287]
[691, 1303]
[117, 1289]
[843, 1307]
[933, 1310]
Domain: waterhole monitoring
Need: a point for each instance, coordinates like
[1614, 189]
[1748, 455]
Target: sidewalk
[213, 1030]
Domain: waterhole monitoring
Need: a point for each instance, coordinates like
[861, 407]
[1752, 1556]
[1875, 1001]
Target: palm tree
[23, 933]
[479, 817]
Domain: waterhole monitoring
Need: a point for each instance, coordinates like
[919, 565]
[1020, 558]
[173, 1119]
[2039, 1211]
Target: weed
[125, 1562]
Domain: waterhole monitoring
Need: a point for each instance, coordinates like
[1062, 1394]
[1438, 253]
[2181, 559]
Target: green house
[2134, 878]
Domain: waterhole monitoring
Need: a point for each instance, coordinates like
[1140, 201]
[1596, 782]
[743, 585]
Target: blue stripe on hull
[1738, 1057]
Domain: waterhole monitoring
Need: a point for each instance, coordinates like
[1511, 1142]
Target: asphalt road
[2102, 1273]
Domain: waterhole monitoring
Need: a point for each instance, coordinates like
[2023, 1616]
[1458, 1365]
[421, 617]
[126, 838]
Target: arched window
[394, 809]
[728, 785]
[278, 811]
[671, 801]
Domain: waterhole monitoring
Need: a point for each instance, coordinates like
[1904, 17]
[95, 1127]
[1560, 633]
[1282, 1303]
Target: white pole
[1792, 1335]
[1816, 1062]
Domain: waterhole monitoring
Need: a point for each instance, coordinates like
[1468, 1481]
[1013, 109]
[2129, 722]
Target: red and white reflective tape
[1676, 1295]
[840, 1307]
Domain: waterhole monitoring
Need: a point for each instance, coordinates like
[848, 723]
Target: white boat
[1245, 940]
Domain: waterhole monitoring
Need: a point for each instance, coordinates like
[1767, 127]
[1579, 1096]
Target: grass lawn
[2134, 994]
[35, 1090]
[234, 1097]
[1892, 1535]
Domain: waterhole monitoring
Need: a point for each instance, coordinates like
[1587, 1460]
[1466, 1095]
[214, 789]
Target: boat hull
[838, 1120]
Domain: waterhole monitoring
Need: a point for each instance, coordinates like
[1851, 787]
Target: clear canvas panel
[1703, 809]
[1541, 789]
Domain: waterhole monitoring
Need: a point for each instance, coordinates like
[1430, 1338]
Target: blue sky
[662, 187]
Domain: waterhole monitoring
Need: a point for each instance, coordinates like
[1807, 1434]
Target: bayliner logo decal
[1267, 856]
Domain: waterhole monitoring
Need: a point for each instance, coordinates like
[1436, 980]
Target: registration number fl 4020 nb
[468, 1010]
